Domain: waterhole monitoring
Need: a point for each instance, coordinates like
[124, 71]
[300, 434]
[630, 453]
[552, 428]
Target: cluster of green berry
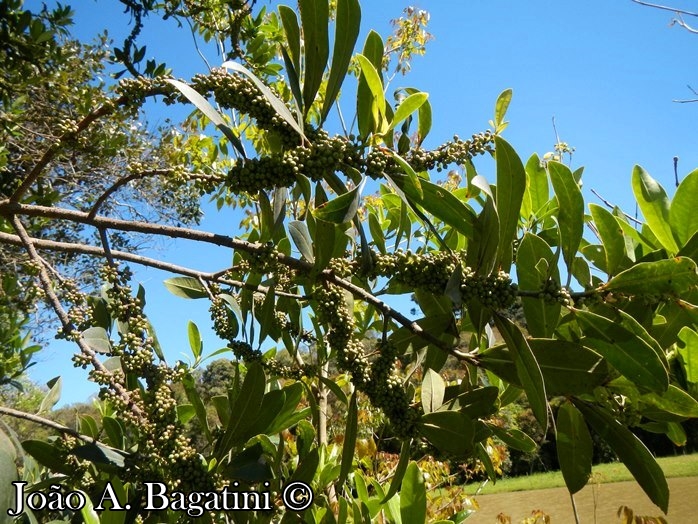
[496, 292]
[379, 379]
[243, 351]
[427, 271]
[554, 293]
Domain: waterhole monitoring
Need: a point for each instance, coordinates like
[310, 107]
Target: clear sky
[607, 71]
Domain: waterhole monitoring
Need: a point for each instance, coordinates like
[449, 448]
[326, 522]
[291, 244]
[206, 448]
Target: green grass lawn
[681, 466]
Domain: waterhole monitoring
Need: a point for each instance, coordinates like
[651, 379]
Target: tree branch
[46, 422]
[666, 8]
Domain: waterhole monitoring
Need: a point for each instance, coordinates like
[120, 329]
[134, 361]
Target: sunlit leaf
[315, 16]
[654, 204]
[433, 389]
[672, 276]
[185, 287]
[570, 211]
[511, 184]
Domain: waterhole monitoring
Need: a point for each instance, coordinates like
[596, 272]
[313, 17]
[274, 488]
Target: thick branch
[9, 208]
[46, 422]
[66, 247]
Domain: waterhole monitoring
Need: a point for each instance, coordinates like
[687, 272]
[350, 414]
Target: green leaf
[301, 239]
[511, 184]
[375, 86]
[689, 352]
[514, 438]
[114, 430]
[630, 450]
[100, 454]
[186, 287]
[186, 412]
[315, 17]
[408, 106]
[527, 368]
[199, 408]
[424, 117]
[348, 22]
[541, 317]
[245, 410]
[373, 50]
[97, 338]
[682, 212]
[674, 276]
[441, 203]
[207, 109]
[413, 496]
[612, 238]
[293, 35]
[400, 470]
[277, 104]
[350, 433]
[53, 395]
[654, 204]
[570, 211]
[537, 190]
[574, 447]
[341, 209]
[415, 182]
[675, 401]
[48, 455]
[8, 474]
[624, 350]
[500, 110]
[449, 431]
[195, 342]
[433, 389]
[485, 243]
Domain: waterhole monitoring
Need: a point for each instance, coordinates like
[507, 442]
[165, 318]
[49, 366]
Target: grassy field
[680, 466]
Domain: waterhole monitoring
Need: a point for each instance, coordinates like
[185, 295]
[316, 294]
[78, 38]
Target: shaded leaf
[514, 438]
[682, 212]
[399, 470]
[630, 450]
[350, 432]
[348, 22]
[449, 431]
[413, 496]
[511, 184]
[574, 447]
[301, 239]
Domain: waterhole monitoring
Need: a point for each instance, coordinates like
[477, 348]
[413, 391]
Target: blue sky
[606, 71]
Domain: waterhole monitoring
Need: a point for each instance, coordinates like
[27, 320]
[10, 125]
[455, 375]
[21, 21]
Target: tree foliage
[341, 227]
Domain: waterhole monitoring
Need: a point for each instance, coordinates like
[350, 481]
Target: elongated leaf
[8, 474]
[612, 238]
[541, 317]
[97, 338]
[277, 104]
[246, 407]
[574, 447]
[195, 342]
[654, 204]
[424, 117]
[631, 451]
[413, 496]
[47, 455]
[341, 209]
[537, 191]
[101, 454]
[511, 184]
[375, 85]
[689, 353]
[433, 389]
[624, 350]
[408, 106]
[373, 50]
[682, 213]
[675, 401]
[315, 16]
[482, 255]
[348, 22]
[449, 431]
[293, 34]
[568, 367]
[440, 203]
[185, 287]
[399, 470]
[675, 276]
[301, 239]
[527, 368]
[199, 408]
[207, 109]
[514, 438]
[570, 211]
[350, 433]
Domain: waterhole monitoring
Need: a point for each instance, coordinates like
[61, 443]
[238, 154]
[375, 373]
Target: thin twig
[611, 206]
[66, 323]
[666, 8]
